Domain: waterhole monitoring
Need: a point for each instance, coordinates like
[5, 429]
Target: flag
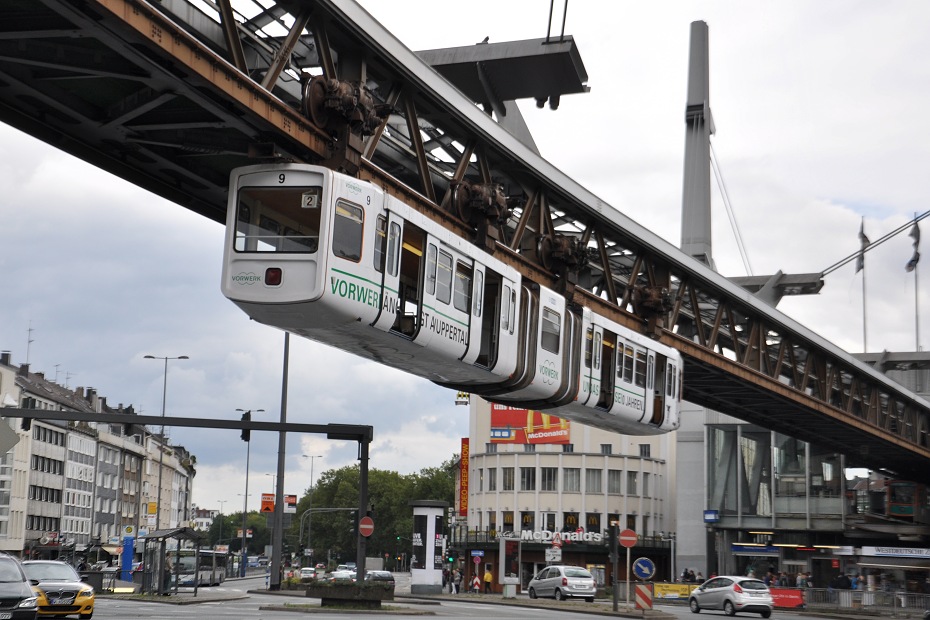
[912, 264]
[864, 243]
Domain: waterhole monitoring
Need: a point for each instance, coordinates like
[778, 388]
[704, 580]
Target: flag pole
[865, 345]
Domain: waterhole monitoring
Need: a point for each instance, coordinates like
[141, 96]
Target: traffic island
[368, 595]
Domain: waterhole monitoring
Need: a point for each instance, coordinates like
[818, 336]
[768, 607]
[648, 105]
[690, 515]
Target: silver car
[732, 594]
[561, 582]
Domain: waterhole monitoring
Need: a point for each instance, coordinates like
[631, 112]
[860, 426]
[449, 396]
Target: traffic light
[246, 433]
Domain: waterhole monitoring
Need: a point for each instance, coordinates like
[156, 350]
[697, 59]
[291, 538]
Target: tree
[389, 495]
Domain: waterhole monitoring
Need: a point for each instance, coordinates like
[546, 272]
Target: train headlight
[273, 276]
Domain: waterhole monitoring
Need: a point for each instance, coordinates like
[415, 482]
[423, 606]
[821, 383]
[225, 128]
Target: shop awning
[894, 563]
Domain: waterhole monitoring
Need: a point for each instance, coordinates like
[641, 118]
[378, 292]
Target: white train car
[326, 256]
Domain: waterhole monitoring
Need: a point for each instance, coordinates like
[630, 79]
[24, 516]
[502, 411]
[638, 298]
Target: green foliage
[389, 493]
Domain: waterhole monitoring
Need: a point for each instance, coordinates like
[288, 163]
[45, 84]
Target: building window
[548, 521]
[527, 521]
[480, 480]
[644, 449]
[492, 478]
[569, 521]
[492, 520]
[490, 448]
[606, 448]
[527, 478]
[549, 479]
[508, 520]
[615, 481]
[571, 480]
[529, 447]
[593, 522]
[646, 484]
[631, 482]
[592, 480]
[507, 482]
[568, 447]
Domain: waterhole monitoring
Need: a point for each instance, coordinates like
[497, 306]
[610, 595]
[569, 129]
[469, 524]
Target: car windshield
[50, 572]
[577, 572]
[753, 584]
[8, 572]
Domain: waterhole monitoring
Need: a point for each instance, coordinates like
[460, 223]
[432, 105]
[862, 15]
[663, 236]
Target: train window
[639, 370]
[479, 293]
[380, 234]
[278, 219]
[347, 231]
[393, 248]
[589, 341]
[628, 364]
[462, 290]
[650, 372]
[551, 330]
[669, 380]
[505, 309]
[431, 269]
[513, 309]
[444, 277]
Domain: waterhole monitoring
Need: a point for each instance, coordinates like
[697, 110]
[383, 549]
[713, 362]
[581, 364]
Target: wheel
[558, 595]
[695, 608]
[728, 608]
[532, 592]
[766, 614]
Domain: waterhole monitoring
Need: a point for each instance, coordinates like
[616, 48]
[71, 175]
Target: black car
[17, 600]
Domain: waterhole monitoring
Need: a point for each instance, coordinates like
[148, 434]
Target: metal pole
[278, 533]
[245, 507]
[362, 509]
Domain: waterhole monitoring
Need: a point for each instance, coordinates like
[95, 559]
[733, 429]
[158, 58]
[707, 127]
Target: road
[241, 600]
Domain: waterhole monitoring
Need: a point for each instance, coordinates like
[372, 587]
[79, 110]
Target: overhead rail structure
[172, 95]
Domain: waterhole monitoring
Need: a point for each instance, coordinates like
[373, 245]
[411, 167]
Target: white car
[732, 594]
[561, 582]
[308, 572]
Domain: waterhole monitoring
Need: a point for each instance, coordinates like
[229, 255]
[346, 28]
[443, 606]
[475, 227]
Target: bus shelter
[161, 564]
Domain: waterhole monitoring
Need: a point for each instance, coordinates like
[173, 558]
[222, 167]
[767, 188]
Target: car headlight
[28, 603]
[87, 592]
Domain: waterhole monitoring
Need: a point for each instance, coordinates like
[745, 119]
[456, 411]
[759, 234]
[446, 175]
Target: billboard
[463, 479]
[527, 426]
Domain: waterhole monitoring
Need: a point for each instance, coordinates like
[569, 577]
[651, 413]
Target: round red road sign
[628, 538]
[366, 526]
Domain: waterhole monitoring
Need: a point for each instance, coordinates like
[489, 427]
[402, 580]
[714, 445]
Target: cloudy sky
[821, 116]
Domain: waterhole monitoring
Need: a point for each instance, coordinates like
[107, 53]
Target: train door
[476, 313]
[410, 281]
[489, 317]
[388, 235]
[605, 395]
[591, 369]
[655, 398]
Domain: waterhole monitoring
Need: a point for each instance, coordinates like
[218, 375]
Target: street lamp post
[246, 437]
[220, 539]
[161, 449]
[310, 499]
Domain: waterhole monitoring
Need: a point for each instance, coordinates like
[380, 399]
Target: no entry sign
[628, 538]
[366, 526]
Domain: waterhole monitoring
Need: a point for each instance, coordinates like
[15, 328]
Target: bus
[208, 565]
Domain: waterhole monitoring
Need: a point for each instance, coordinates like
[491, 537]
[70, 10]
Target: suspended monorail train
[336, 260]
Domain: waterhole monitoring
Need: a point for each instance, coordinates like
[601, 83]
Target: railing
[898, 603]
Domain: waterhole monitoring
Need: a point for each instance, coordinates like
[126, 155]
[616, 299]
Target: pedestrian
[457, 580]
[445, 577]
[166, 577]
[700, 577]
[475, 584]
[488, 578]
